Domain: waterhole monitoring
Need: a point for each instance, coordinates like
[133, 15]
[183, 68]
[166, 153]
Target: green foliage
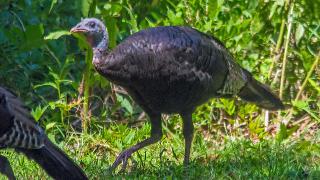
[38, 112]
[56, 35]
[52, 72]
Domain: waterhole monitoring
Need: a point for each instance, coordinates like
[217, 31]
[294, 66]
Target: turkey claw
[123, 157]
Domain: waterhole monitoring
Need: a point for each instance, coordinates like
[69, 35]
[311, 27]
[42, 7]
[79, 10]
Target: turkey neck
[100, 50]
[98, 57]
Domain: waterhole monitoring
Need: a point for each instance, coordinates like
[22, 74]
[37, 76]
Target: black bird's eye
[92, 24]
[3, 100]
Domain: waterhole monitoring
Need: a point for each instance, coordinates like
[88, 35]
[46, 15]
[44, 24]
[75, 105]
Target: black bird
[172, 69]
[18, 130]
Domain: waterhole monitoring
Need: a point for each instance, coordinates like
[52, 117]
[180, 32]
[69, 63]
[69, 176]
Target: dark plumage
[172, 69]
[18, 130]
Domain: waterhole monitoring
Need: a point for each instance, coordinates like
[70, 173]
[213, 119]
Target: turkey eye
[2, 99]
[92, 24]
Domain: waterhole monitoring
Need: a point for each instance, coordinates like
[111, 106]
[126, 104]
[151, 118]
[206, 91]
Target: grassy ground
[228, 158]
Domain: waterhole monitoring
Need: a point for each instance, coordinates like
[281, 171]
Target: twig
[52, 54]
[266, 120]
[284, 61]
[313, 67]
[277, 52]
[86, 87]
[20, 21]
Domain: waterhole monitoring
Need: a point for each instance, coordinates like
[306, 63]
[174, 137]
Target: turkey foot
[123, 157]
[156, 134]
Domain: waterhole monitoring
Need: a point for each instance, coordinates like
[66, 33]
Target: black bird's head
[95, 32]
[3, 106]
[5, 114]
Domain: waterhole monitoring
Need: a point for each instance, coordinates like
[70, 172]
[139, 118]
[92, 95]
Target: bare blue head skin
[97, 36]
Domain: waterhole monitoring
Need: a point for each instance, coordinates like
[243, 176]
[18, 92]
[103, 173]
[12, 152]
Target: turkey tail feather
[55, 162]
[260, 94]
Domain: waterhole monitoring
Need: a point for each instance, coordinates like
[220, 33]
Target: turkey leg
[188, 135]
[156, 134]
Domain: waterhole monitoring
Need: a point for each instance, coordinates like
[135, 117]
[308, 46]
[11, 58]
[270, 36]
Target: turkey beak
[78, 29]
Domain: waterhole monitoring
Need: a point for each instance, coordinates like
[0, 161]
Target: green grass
[229, 158]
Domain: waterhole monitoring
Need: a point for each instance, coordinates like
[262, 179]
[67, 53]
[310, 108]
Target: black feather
[178, 68]
[16, 122]
[260, 94]
[55, 162]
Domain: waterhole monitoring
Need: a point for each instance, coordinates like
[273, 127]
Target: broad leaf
[57, 34]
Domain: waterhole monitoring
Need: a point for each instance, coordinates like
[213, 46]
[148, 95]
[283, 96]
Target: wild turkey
[171, 69]
[18, 130]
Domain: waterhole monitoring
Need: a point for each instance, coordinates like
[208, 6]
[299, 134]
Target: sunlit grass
[228, 158]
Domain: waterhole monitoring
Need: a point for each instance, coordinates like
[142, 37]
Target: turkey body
[171, 69]
[19, 131]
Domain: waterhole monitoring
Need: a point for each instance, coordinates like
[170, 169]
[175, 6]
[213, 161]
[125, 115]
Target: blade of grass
[313, 67]
[284, 61]
[277, 51]
[86, 93]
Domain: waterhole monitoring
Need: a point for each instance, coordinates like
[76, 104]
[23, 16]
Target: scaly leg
[188, 135]
[156, 134]
[5, 168]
